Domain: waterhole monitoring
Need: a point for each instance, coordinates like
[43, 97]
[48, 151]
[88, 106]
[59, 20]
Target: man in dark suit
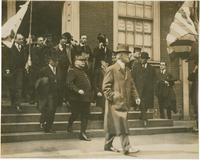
[144, 77]
[47, 88]
[85, 48]
[165, 92]
[63, 64]
[102, 59]
[17, 70]
[80, 94]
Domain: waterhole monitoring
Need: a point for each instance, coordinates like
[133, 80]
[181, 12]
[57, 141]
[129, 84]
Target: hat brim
[122, 51]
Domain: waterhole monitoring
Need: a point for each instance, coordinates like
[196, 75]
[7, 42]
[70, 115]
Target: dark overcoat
[119, 90]
[145, 79]
[165, 93]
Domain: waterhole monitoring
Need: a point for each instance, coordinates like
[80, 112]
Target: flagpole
[29, 38]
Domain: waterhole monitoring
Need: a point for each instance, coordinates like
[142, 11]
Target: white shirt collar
[122, 65]
[52, 68]
[60, 47]
[17, 46]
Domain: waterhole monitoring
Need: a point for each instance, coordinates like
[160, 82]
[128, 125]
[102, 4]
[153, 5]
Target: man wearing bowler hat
[119, 90]
[144, 78]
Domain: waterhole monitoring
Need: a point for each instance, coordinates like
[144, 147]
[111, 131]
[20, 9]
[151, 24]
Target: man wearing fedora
[80, 96]
[119, 90]
[144, 78]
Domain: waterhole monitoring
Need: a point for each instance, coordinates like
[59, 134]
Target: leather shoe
[131, 150]
[112, 149]
[84, 137]
[18, 109]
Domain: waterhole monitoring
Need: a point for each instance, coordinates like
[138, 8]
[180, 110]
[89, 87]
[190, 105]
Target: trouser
[16, 88]
[48, 109]
[125, 143]
[82, 109]
[143, 109]
[162, 112]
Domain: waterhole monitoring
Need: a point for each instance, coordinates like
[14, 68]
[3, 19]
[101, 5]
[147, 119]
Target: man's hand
[81, 92]
[137, 101]
[7, 71]
[99, 94]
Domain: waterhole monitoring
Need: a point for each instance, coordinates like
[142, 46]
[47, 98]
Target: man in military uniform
[80, 94]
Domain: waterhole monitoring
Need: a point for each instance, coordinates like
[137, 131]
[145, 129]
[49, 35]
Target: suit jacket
[145, 82]
[77, 79]
[17, 59]
[164, 92]
[47, 84]
[99, 55]
[119, 90]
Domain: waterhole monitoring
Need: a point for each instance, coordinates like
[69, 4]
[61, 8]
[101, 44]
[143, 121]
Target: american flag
[183, 32]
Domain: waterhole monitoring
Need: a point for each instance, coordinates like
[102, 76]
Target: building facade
[142, 24]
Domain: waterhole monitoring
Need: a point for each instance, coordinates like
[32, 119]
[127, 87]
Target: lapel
[122, 72]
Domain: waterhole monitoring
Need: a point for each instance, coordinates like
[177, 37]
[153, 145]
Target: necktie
[54, 70]
[19, 47]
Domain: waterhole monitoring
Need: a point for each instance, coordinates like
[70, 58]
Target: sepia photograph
[96, 79]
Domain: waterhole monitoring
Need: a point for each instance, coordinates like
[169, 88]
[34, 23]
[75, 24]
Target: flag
[10, 28]
[182, 32]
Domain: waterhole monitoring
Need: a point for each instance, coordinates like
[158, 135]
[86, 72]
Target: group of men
[71, 72]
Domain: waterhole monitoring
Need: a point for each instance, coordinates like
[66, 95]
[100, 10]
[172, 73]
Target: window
[135, 24]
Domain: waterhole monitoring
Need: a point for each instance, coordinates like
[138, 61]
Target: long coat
[145, 79]
[165, 93]
[119, 90]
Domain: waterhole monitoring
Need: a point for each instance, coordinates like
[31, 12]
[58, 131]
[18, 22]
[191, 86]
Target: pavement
[158, 146]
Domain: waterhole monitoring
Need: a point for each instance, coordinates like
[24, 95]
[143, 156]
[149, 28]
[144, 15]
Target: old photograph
[99, 79]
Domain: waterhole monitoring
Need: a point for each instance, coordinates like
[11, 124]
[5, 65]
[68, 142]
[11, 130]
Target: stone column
[156, 31]
[70, 18]
[185, 71]
[11, 8]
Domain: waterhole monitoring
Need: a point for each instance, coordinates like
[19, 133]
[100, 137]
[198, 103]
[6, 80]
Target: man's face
[63, 41]
[80, 63]
[83, 39]
[143, 60]
[40, 41]
[162, 65]
[19, 39]
[125, 58]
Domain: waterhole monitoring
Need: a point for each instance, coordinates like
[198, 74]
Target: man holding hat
[119, 90]
[144, 77]
[47, 88]
[80, 94]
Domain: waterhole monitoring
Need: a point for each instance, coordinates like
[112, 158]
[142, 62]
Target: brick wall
[96, 17]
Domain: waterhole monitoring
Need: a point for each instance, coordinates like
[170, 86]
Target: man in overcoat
[47, 88]
[17, 71]
[119, 90]
[144, 77]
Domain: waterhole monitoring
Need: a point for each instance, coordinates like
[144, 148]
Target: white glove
[81, 92]
[99, 94]
[137, 101]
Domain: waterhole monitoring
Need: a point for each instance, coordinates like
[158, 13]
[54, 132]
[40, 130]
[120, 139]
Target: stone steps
[29, 136]
[62, 125]
[34, 117]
